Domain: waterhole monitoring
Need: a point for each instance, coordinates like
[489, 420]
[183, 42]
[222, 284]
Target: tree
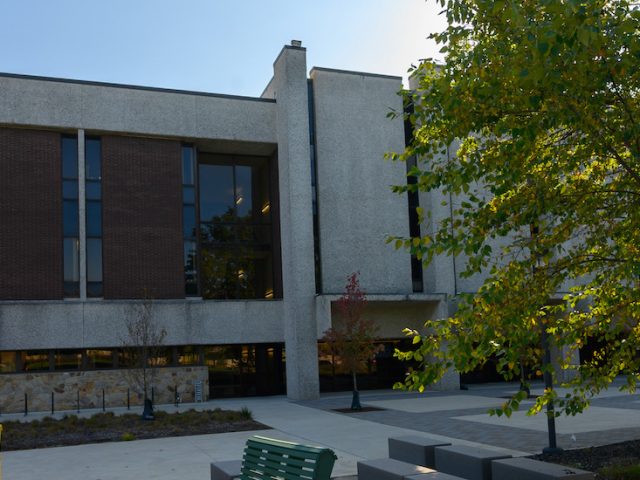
[543, 97]
[143, 346]
[353, 340]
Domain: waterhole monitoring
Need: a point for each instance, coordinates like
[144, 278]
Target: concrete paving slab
[188, 458]
[592, 419]
[438, 403]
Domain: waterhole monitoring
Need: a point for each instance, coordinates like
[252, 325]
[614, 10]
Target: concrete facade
[344, 129]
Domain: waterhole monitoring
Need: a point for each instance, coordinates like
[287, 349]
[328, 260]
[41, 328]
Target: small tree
[143, 342]
[353, 340]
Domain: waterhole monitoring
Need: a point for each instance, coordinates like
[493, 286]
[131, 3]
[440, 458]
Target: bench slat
[254, 456]
[273, 467]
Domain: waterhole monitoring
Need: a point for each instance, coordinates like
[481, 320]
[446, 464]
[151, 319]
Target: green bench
[268, 459]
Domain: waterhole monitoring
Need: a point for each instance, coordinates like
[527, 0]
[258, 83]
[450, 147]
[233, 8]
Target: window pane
[70, 189]
[70, 218]
[93, 159]
[71, 260]
[217, 201]
[190, 271]
[216, 233]
[189, 220]
[94, 219]
[94, 260]
[7, 362]
[69, 157]
[68, 359]
[187, 166]
[188, 355]
[35, 361]
[244, 199]
[93, 190]
[188, 195]
[97, 359]
[94, 289]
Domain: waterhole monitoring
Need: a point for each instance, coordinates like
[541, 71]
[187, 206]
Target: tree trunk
[355, 399]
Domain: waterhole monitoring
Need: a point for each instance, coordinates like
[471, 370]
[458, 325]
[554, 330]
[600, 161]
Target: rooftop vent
[296, 43]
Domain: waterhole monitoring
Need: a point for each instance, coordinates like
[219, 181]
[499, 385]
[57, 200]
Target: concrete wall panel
[64, 104]
[357, 209]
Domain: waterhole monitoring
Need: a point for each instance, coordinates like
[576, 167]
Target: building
[239, 217]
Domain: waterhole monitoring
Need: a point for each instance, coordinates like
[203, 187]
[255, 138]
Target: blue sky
[222, 46]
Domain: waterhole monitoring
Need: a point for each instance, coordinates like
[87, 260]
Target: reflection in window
[70, 216]
[188, 355]
[93, 195]
[35, 361]
[99, 359]
[189, 223]
[235, 228]
[7, 362]
[68, 359]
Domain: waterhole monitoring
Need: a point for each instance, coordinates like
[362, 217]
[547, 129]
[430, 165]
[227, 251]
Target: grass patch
[108, 427]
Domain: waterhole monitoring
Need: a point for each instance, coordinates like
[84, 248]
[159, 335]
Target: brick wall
[30, 215]
[142, 218]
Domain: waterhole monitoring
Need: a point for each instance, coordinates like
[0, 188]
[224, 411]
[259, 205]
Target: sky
[219, 46]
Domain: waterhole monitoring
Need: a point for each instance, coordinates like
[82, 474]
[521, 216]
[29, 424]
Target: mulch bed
[594, 459]
[107, 427]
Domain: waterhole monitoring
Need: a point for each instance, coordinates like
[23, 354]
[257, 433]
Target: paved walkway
[457, 416]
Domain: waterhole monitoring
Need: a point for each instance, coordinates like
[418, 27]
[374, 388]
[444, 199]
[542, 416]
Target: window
[71, 242]
[235, 228]
[189, 221]
[68, 359]
[93, 196]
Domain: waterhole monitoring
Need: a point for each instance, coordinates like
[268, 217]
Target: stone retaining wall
[89, 384]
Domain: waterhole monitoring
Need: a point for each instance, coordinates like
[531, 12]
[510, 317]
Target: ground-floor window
[381, 372]
[234, 370]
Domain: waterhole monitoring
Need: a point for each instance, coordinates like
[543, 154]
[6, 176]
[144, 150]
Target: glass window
[7, 362]
[94, 289]
[71, 260]
[70, 189]
[68, 360]
[98, 359]
[235, 228]
[188, 355]
[93, 159]
[189, 220]
[69, 157]
[94, 260]
[187, 166]
[244, 200]
[217, 202]
[94, 190]
[35, 361]
[190, 268]
[94, 219]
[70, 218]
[160, 357]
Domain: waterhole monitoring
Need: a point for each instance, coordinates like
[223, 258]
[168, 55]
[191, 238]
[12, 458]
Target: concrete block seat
[529, 469]
[227, 470]
[390, 469]
[415, 449]
[472, 463]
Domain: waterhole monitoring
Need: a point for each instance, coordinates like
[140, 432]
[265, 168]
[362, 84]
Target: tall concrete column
[296, 220]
